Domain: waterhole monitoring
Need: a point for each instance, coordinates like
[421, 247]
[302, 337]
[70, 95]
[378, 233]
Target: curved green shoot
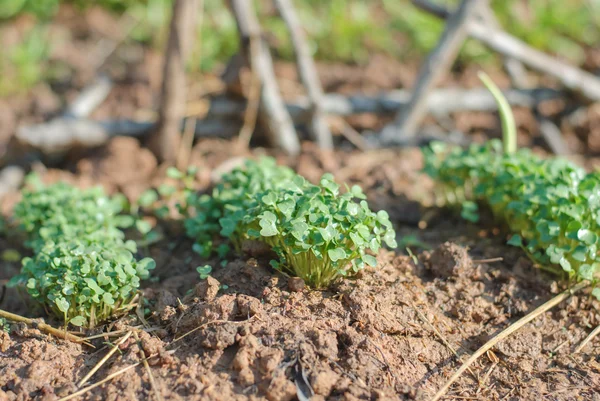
[509, 128]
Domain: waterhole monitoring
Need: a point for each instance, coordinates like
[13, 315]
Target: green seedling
[204, 271]
[509, 128]
[219, 214]
[318, 233]
[85, 281]
[82, 270]
[61, 210]
[551, 206]
[4, 325]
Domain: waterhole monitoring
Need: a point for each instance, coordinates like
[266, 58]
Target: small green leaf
[62, 304]
[166, 190]
[336, 254]
[172, 172]
[587, 236]
[143, 226]
[586, 272]
[566, 265]
[270, 199]
[328, 233]
[299, 230]
[78, 321]
[11, 255]
[108, 299]
[124, 221]
[369, 260]
[147, 198]
[515, 240]
[204, 271]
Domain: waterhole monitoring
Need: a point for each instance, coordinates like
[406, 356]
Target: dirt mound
[245, 335]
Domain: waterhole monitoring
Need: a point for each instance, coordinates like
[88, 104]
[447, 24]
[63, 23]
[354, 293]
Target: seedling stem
[509, 130]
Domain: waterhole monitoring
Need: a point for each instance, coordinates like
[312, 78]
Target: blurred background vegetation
[346, 31]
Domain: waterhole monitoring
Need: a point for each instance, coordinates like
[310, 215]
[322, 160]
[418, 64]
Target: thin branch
[552, 135]
[518, 76]
[90, 98]
[101, 382]
[104, 359]
[222, 120]
[273, 114]
[42, 326]
[514, 68]
[308, 74]
[569, 76]
[187, 140]
[437, 64]
[165, 141]
[507, 332]
[589, 338]
[253, 104]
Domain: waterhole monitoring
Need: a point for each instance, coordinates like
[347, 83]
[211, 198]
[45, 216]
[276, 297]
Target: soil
[249, 333]
[391, 333]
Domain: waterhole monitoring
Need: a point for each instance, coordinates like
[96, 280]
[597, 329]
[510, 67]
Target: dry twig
[165, 140]
[589, 338]
[308, 74]
[43, 327]
[571, 77]
[438, 62]
[187, 140]
[101, 382]
[507, 332]
[104, 359]
[272, 112]
[254, 89]
[58, 136]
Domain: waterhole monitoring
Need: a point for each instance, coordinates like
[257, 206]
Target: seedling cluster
[551, 205]
[317, 232]
[82, 268]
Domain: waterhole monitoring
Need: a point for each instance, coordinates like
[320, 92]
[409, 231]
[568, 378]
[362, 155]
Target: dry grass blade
[101, 382]
[207, 324]
[108, 334]
[589, 338]
[181, 337]
[507, 332]
[490, 260]
[439, 334]
[155, 387]
[43, 327]
[104, 359]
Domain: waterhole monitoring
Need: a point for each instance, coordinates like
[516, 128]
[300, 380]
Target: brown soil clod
[238, 334]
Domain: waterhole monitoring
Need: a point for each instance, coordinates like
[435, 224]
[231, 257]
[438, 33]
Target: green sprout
[204, 271]
[4, 325]
[85, 281]
[509, 128]
[218, 214]
[61, 210]
[82, 270]
[318, 233]
[551, 206]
